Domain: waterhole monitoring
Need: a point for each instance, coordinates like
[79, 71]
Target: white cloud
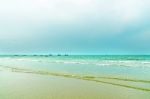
[72, 10]
[109, 15]
[129, 10]
[48, 20]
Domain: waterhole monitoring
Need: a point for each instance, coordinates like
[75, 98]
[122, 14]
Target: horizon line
[69, 54]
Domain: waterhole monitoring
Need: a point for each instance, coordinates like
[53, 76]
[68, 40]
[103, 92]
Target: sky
[75, 26]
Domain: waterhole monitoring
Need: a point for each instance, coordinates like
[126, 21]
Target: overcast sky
[75, 26]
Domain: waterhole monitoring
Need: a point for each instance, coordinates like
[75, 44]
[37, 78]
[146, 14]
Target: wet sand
[17, 85]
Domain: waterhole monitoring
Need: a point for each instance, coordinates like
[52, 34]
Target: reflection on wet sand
[84, 77]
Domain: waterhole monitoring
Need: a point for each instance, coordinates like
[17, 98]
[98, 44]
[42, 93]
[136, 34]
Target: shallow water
[127, 74]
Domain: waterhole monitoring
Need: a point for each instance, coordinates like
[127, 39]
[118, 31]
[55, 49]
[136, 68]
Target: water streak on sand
[82, 77]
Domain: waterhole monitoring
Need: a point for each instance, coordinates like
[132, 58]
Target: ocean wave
[106, 63]
[126, 63]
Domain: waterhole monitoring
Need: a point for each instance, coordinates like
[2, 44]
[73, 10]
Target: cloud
[60, 10]
[78, 24]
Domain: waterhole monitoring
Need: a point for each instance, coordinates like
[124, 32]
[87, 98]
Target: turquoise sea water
[118, 70]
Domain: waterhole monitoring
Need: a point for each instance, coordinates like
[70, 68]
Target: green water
[123, 71]
[132, 66]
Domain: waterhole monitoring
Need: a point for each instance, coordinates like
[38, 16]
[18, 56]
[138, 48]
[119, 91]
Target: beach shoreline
[55, 78]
